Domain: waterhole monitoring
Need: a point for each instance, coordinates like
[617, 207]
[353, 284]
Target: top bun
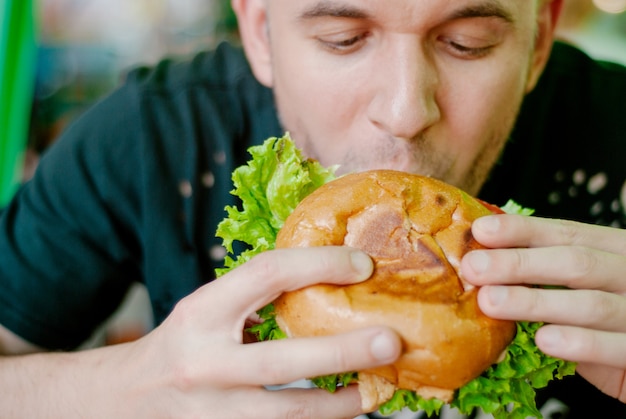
[416, 229]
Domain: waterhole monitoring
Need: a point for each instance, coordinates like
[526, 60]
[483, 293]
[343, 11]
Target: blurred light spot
[554, 198]
[219, 157]
[596, 209]
[597, 183]
[217, 252]
[559, 176]
[615, 206]
[185, 189]
[579, 177]
[208, 179]
[611, 6]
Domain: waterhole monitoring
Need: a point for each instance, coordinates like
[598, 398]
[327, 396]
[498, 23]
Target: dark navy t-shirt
[132, 191]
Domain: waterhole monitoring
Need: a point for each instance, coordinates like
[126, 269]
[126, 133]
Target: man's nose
[404, 101]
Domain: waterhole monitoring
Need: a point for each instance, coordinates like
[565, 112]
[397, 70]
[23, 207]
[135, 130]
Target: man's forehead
[505, 9]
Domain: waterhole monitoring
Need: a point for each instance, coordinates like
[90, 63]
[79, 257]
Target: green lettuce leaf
[512, 207]
[270, 186]
[507, 389]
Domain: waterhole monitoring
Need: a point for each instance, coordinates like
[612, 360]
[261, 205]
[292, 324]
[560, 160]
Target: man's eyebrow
[486, 9]
[333, 9]
[325, 8]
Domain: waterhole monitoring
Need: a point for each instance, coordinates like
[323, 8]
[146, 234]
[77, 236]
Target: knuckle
[584, 262]
[588, 345]
[521, 261]
[183, 377]
[606, 309]
[301, 410]
[569, 232]
[535, 302]
[341, 360]
[596, 310]
[183, 314]
[274, 372]
[265, 266]
[187, 373]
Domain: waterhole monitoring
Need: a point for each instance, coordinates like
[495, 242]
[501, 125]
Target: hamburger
[416, 229]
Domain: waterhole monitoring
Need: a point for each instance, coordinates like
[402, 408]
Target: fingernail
[362, 264]
[383, 348]
[497, 295]
[488, 224]
[479, 261]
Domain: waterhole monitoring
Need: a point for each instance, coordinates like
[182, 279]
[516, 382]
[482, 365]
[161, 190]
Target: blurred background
[86, 46]
[83, 48]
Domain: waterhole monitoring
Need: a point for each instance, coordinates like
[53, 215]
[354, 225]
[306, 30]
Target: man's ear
[253, 28]
[547, 18]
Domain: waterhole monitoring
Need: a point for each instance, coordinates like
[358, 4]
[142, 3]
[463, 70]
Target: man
[135, 188]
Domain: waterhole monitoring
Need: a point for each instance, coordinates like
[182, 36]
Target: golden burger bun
[416, 229]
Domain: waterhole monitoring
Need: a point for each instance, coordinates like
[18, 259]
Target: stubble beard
[419, 156]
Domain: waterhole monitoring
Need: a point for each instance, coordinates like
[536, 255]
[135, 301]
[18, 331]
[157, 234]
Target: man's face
[424, 86]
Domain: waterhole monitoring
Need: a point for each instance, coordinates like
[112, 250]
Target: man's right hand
[196, 365]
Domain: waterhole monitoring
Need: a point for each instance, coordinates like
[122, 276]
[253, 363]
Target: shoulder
[177, 105]
[219, 79]
[224, 67]
[213, 96]
[574, 80]
[159, 125]
[566, 57]
[577, 99]
[565, 154]
[578, 107]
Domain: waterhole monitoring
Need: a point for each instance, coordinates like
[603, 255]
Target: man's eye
[341, 44]
[463, 51]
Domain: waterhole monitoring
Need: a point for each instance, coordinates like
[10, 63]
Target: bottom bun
[416, 229]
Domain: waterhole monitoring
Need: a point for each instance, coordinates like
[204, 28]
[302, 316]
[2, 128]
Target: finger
[569, 266]
[309, 403]
[522, 231]
[591, 309]
[583, 345]
[287, 360]
[258, 402]
[608, 379]
[262, 279]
